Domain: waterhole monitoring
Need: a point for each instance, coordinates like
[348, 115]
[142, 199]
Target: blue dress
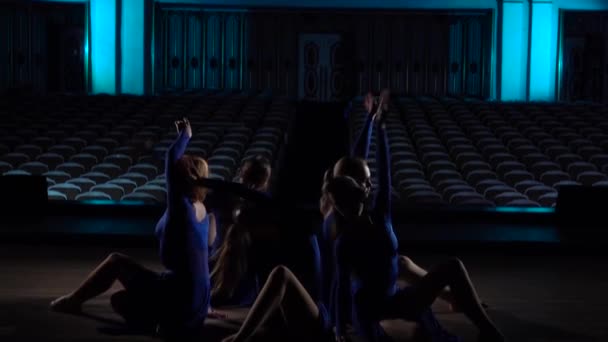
[325, 241]
[366, 269]
[184, 252]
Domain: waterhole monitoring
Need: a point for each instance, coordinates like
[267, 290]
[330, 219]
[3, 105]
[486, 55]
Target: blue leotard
[183, 250]
[295, 239]
[366, 267]
[325, 242]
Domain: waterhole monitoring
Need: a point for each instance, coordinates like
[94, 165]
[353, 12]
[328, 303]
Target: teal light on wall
[132, 47]
[514, 51]
[111, 202]
[103, 46]
[543, 49]
[582, 5]
[419, 4]
[523, 210]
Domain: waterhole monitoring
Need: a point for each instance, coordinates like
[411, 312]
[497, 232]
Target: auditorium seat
[72, 168]
[56, 196]
[84, 184]
[32, 151]
[589, 178]
[5, 167]
[140, 197]
[97, 177]
[548, 200]
[157, 191]
[34, 168]
[63, 150]
[85, 159]
[138, 178]
[115, 191]
[112, 170]
[69, 190]
[126, 184]
[93, 196]
[15, 158]
[52, 160]
[16, 173]
[149, 170]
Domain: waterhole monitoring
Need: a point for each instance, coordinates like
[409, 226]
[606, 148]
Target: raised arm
[237, 189]
[383, 197]
[176, 151]
[341, 288]
[361, 146]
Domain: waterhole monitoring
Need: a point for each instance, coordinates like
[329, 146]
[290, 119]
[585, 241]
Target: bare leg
[282, 294]
[115, 267]
[453, 273]
[412, 273]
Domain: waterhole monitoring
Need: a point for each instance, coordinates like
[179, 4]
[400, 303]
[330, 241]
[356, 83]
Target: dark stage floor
[542, 283]
[532, 297]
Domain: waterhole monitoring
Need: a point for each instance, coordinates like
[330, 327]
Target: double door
[321, 68]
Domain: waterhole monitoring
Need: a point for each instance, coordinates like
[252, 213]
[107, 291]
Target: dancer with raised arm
[174, 302]
[355, 166]
[367, 282]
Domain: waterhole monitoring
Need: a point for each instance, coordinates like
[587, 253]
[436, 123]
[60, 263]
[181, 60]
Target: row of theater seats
[112, 148]
[466, 152]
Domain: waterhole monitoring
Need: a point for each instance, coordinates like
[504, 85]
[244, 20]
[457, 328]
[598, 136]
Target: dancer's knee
[280, 274]
[454, 264]
[405, 262]
[115, 257]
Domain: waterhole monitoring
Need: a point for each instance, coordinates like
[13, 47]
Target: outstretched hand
[385, 96]
[184, 125]
[368, 103]
[380, 115]
[229, 338]
[341, 339]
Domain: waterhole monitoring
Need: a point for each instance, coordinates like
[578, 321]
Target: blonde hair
[255, 172]
[231, 261]
[192, 168]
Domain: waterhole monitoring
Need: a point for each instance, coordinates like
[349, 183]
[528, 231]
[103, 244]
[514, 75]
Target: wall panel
[214, 39]
[6, 62]
[232, 50]
[584, 57]
[175, 50]
[194, 50]
[412, 53]
[42, 47]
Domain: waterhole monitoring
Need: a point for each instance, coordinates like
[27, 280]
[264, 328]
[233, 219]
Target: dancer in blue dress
[174, 302]
[366, 282]
[355, 166]
[235, 265]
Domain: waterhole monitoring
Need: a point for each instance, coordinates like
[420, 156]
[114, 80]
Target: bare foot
[211, 313]
[229, 338]
[65, 304]
[455, 308]
[491, 336]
